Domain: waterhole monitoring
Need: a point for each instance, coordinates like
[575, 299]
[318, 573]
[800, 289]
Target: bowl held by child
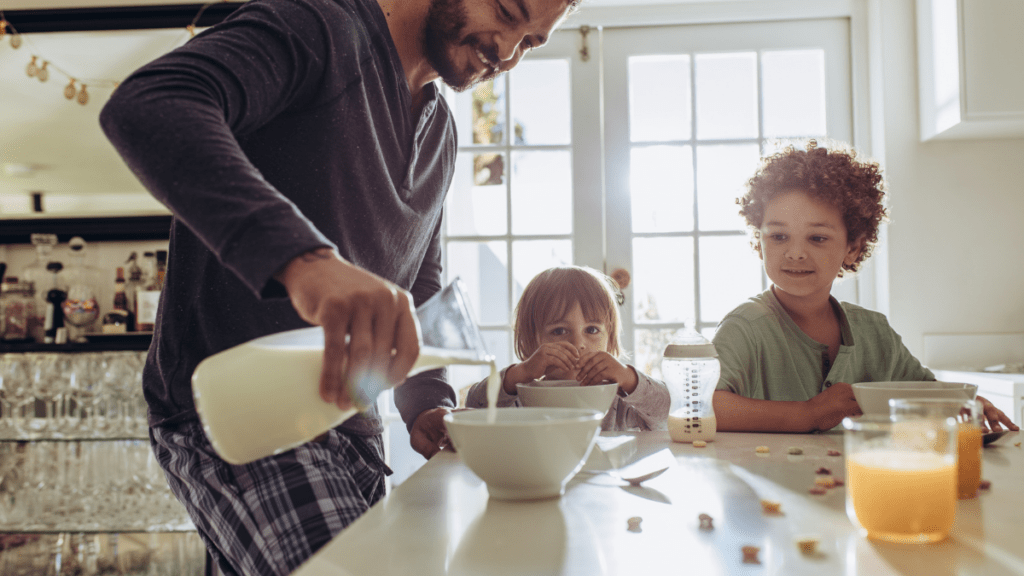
[873, 397]
[567, 394]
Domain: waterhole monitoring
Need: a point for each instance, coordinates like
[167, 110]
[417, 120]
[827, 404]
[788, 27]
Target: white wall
[957, 227]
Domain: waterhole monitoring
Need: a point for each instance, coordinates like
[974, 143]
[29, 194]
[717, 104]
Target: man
[305, 151]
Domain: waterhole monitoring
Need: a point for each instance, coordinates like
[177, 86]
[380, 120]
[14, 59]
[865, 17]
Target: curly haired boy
[790, 354]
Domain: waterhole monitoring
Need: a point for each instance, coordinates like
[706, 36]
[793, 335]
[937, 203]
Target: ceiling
[54, 146]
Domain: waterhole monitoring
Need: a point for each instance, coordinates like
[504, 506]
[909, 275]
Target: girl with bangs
[567, 328]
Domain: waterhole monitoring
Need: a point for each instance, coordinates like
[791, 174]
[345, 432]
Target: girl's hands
[597, 367]
[557, 359]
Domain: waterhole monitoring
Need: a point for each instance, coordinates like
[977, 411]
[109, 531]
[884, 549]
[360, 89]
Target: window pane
[489, 112]
[476, 202]
[540, 102]
[663, 289]
[726, 95]
[650, 347]
[722, 172]
[659, 98]
[794, 92]
[730, 272]
[661, 188]
[483, 266]
[541, 193]
[531, 257]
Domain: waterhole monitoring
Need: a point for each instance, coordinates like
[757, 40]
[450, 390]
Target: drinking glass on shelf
[968, 416]
[15, 394]
[901, 477]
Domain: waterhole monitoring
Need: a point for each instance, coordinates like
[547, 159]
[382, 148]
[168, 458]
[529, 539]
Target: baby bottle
[691, 370]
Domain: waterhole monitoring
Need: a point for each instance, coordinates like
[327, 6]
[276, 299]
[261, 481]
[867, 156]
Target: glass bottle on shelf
[133, 281]
[148, 297]
[17, 309]
[81, 308]
[54, 331]
[120, 319]
[42, 280]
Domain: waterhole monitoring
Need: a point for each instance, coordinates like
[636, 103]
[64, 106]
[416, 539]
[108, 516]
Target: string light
[76, 88]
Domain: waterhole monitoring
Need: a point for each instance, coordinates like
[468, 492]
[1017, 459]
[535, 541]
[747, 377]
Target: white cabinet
[971, 68]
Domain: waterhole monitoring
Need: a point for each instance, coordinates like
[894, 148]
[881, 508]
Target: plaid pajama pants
[267, 517]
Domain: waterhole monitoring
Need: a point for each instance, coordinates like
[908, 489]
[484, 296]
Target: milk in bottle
[691, 370]
[262, 397]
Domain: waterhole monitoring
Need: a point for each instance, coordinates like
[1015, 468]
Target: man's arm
[176, 123]
[425, 398]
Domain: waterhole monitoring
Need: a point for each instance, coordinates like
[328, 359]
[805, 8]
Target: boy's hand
[549, 359]
[597, 367]
[995, 417]
[831, 405]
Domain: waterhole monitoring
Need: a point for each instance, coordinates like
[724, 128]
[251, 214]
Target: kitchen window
[632, 160]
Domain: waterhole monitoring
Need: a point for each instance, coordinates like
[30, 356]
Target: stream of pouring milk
[263, 397]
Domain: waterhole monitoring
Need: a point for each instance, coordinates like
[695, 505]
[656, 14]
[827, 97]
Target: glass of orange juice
[969, 431]
[901, 477]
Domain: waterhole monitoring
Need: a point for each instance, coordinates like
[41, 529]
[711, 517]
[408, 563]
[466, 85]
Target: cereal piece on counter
[1017, 444]
[750, 554]
[699, 443]
[836, 482]
[985, 485]
[771, 507]
[706, 522]
[634, 524]
[795, 450]
[808, 545]
[818, 490]
[762, 450]
[825, 481]
[834, 453]
[822, 470]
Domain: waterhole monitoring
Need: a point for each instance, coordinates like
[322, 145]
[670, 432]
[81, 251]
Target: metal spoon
[644, 477]
[990, 437]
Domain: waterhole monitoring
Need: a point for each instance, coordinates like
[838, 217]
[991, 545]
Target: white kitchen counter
[441, 521]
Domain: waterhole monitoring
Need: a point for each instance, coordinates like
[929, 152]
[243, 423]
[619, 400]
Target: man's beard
[442, 34]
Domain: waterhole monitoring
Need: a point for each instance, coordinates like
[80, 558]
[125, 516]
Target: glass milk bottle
[262, 397]
[691, 370]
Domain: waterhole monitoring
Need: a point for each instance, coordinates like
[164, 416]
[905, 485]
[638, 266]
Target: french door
[624, 150]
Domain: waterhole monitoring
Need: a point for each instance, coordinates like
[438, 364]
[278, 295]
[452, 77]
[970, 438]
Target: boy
[790, 354]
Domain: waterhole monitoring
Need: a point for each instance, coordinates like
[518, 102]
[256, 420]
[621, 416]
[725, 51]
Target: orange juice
[902, 496]
[968, 460]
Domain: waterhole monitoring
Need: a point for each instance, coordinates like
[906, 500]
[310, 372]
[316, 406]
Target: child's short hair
[552, 294]
[831, 174]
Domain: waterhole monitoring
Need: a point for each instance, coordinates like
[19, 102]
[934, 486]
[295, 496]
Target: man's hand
[831, 405]
[429, 434]
[370, 327]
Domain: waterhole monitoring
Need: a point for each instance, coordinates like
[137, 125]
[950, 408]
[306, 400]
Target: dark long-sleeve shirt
[286, 128]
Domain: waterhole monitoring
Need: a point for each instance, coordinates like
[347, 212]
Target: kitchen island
[441, 521]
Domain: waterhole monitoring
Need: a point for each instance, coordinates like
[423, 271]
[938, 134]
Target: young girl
[790, 354]
[567, 328]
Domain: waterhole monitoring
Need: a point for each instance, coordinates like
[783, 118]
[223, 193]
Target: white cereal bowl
[567, 394]
[873, 397]
[527, 453]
